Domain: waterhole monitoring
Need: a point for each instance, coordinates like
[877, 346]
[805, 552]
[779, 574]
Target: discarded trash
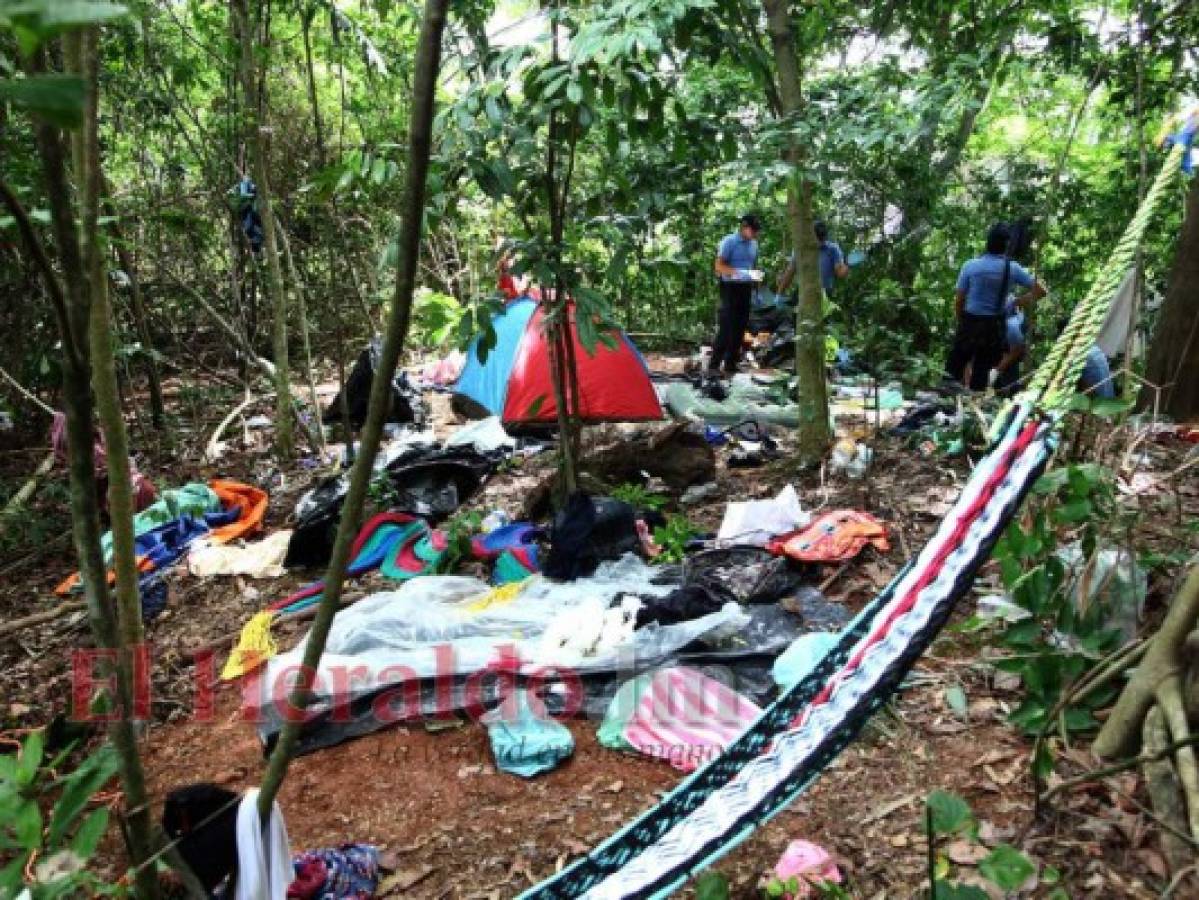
[523, 742]
[497, 518]
[676, 714]
[804, 654]
[747, 575]
[810, 865]
[755, 522]
[259, 421]
[404, 403]
[697, 493]
[850, 458]
[590, 629]
[486, 436]
[348, 872]
[835, 537]
[586, 531]
[997, 608]
[1110, 577]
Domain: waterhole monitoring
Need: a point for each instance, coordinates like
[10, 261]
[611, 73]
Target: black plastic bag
[405, 400]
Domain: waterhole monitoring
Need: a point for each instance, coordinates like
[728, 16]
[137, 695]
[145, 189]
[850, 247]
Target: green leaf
[1079, 719]
[81, 786]
[1006, 867]
[88, 836]
[949, 890]
[950, 813]
[30, 757]
[711, 886]
[56, 98]
[27, 826]
[1042, 763]
[535, 407]
[1110, 407]
[955, 698]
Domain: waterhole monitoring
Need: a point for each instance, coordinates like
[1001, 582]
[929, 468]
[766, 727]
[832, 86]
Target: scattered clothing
[676, 714]
[263, 559]
[264, 868]
[348, 872]
[811, 866]
[798, 660]
[523, 742]
[195, 500]
[399, 545]
[445, 371]
[834, 537]
[742, 400]
[143, 488]
[237, 509]
[690, 601]
[246, 197]
[585, 532]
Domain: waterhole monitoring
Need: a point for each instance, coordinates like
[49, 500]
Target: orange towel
[253, 503]
[251, 500]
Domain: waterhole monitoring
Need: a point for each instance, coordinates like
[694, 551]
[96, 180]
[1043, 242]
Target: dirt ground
[451, 826]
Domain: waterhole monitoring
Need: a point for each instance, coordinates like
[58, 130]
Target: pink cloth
[808, 862]
[143, 488]
[687, 718]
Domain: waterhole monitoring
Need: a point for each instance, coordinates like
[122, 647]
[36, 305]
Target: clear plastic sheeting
[428, 629]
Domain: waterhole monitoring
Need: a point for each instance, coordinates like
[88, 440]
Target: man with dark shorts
[979, 302]
[735, 264]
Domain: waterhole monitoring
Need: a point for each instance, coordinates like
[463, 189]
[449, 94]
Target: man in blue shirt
[736, 259]
[832, 262]
[1096, 378]
[979, 302]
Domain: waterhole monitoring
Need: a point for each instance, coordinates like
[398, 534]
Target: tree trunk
[1121, 733]
[812, 393]
[257, 147]
[138, 307]
[427, 66]
[1174, 354]
[78, 269]
[563, 373]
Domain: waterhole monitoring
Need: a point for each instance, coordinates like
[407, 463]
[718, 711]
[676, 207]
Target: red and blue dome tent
[514, 381]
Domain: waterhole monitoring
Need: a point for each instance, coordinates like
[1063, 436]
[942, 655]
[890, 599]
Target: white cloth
[1114, 333]
[263, 559]
[757, 521]
[263, 856]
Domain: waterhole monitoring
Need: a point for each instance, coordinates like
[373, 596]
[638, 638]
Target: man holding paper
[735, 267]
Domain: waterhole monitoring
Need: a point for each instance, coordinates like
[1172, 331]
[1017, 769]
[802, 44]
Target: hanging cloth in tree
[246, 195]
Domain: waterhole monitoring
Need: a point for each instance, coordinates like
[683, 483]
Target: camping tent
[514, 381]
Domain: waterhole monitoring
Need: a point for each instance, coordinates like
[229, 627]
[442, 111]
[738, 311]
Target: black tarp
[405, 399]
